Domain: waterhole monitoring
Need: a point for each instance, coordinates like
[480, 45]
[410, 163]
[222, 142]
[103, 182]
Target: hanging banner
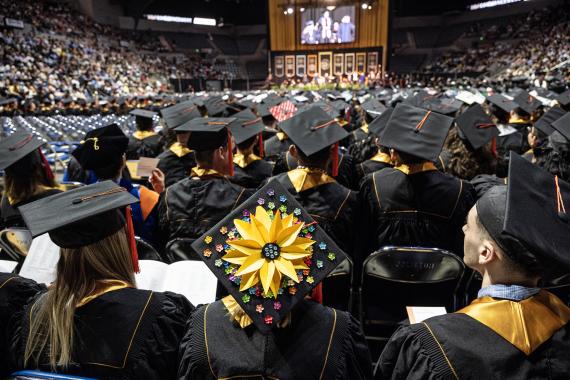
[312, 65]
[325, 64]
[348, 63]
[373, 61]
[279, 66]
[361, 62]
[338, 68]
[290, 66]
[301, 65]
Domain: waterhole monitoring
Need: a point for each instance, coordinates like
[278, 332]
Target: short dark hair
[144, 123]
[409, 159]
[246, 143]
[318, 160]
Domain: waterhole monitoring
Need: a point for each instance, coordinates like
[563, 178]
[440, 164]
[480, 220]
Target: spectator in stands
[93, 321]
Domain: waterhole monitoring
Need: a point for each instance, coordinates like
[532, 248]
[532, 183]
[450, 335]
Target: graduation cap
[140, 113]
[544, 124]
[443, 106]
[5, 101]
[312, 131]
[327, 107]
[502, 102]
[477, 126]
[564, 98]
[209, 133]
[373, 108]
[246, 126]
[378, 125]
[17, 146]
[269, 253]
[562, 125]
[179, 114]
[532, 210]
[215, 106]
[527, 102]
[101, 147]
[416, 131]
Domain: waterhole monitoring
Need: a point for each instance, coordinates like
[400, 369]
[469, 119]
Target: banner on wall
[325, 63]
[290, 66]
[373, 61]
[312, 65]
[338, 60]
[279, 66]
[361, 62]
[301, 65]
[349, 63]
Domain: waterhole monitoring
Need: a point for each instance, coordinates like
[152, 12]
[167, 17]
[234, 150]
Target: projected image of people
[323, 26]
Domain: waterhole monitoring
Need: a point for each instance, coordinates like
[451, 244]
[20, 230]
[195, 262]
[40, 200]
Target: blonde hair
[78, 270]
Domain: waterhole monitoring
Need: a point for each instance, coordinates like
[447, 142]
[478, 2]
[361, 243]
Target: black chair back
[180, 249]
[338, 286]
[146, 251]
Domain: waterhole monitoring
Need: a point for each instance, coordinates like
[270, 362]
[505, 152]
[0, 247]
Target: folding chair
[146, 251]
[338, 287]
[560, 286]
[180, 249]
[15, 242]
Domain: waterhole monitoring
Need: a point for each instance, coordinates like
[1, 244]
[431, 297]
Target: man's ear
[293, 151]
[487, 253]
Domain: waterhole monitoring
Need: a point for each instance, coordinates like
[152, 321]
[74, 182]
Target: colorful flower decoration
[269, 250]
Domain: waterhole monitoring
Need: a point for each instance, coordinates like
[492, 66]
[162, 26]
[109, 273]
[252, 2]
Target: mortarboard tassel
[47, 169]
[335, 160]
[260, 146]
[494, 147]
[317, 293]
[230, 154]
[132, 242]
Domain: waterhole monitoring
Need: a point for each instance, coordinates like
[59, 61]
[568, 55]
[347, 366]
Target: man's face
[473, 239]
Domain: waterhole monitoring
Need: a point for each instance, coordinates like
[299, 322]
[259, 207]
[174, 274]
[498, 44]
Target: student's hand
[157, 180]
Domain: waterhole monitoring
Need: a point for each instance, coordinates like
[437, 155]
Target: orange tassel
[335, 160]
[317, 293]
[230, 154]
[494, 147]
[132, 242]
[261, 148]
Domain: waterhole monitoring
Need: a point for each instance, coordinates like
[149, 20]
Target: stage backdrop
[371, 30]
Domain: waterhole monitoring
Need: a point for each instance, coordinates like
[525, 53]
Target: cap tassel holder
[560, 202]
[260, 145]
[47, 168]
[132, 242]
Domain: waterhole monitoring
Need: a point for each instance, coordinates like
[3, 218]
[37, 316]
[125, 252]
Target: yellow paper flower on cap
[269, 249]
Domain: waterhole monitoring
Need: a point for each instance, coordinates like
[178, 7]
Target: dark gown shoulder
[9, 214]
[123, 334]
[15, 293]
[457, 346]
[369, 166]
[320, 342]
[148, 147]
[274, 147]
[253, 174]
[175, 168]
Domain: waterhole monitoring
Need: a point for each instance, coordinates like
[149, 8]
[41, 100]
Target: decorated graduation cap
[313, 130]
[544, 124]
[528, 219]
[245, 126]
[378, 125]
[477, 127]
[101, 146]
[179, 114]
[527, 102]
[562, 125]
[82, 216]
[416, 131]
[209, 133]
[502, 102]
[564, 98]
[269, 254]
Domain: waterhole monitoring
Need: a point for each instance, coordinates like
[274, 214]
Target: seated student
[103, 152]
[93, 321]
[27, 176]
[191, 206]
[513, 237]
[15, 293]
[381, 159]
[144, 142]
[271, 325]
[413, 203]
[541, 130]
[250, 170]
[315, 136]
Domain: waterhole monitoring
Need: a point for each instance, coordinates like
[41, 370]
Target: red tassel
[261, 147]
[47, 168]
[494, 147]
[132, 243]
[317, 293]
[335, 160]
[230, 154]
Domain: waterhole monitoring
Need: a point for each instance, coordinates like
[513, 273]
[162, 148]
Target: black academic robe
[193, 205]
[9, 214]
[485, 182]
[332, 205]
[175, 167]
[319, 343]
[347, 175]
[276, 145]
[378, 162]
[123, 334]
[150, 146]
[15, 293]
[458, 346]
[426, 209]
[253, 174]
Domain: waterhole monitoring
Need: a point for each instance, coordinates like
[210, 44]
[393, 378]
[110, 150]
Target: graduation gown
[476, 343]
[15, 293]
[121, 334]
[190, 207]
[144, 144]
[320, 342]
[378, 162]
[250, 171]
[276, 145]
[421, 208]
[9, 214]
[176, 163]
[332, 205]
[347, 175]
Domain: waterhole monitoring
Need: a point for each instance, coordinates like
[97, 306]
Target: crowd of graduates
[272, 192]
